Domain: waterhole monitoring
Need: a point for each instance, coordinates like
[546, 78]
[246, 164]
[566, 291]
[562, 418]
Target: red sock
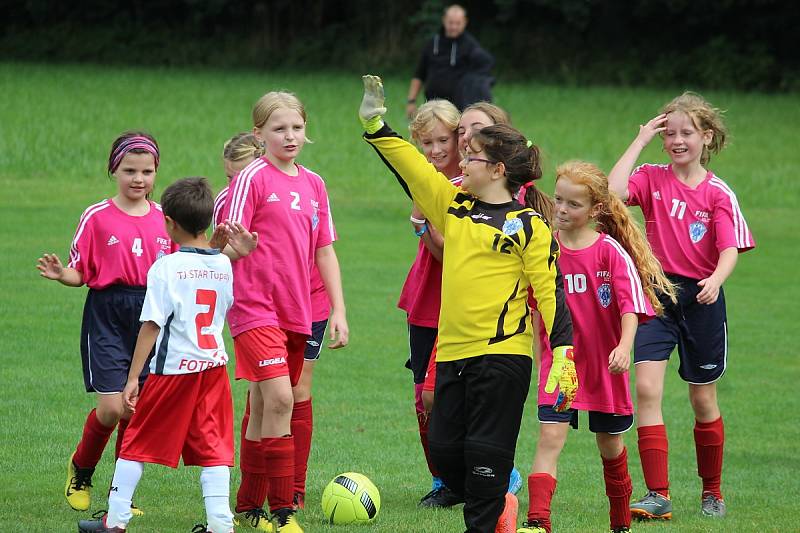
[541, 487]
[302, 429]
[709, 439]
[653, 449]
[279, 456]
[93, 442]
[121, 427]
[618, 489]
[255, 482]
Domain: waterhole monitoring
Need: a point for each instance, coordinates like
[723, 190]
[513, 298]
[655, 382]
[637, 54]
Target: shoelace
[256, 515]
[199, 528]
[434, 492]
[80, 482]
[284, 515]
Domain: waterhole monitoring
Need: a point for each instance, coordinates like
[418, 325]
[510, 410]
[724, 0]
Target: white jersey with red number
[292, 217]
[111, 247]
[188, 295]
[688, 228]
[601, 284]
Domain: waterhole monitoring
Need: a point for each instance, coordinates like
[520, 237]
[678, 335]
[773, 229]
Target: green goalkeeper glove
[563, 374]
[372, 110]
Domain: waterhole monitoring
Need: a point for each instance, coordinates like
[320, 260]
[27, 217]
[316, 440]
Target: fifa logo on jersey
[696, 231]
[604, 294]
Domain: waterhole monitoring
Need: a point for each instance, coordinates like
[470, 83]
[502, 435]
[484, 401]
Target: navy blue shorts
[108, 337]
[420, 345]
[598, 422]
[315, 340]
[699, 331]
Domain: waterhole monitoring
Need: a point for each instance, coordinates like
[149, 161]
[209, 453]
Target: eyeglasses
[469, 159]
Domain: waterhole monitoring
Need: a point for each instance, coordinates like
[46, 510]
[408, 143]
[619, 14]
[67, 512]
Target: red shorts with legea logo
[269, 352]
[430, 374]
[182, 415]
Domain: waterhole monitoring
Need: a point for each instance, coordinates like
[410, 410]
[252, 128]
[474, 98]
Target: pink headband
[523, 190]
[133, 143]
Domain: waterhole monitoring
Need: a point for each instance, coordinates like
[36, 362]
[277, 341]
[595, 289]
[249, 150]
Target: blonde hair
[497, 114]
[242, 146]
[704, 117]
[615, 220]
[428, 113]
[274, 100]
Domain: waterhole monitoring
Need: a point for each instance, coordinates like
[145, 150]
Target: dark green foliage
[744, 44]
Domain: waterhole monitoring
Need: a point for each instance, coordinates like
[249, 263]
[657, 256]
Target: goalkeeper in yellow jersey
[495, 250]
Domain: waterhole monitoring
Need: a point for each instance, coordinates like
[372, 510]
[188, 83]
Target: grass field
[56, 124]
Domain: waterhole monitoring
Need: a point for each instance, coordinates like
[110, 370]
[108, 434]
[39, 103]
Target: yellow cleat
[287, 521]
[135, 511]
[256, 519]
[532, 526]
[78, 489]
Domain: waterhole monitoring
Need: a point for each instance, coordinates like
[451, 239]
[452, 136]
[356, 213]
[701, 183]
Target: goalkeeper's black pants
[477, 411]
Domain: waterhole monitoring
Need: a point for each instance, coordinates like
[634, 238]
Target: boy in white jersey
[186, 408]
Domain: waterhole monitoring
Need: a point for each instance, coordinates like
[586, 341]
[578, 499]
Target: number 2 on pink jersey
[205, 297]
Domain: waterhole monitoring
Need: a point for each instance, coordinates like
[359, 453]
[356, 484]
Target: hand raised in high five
[372, 104]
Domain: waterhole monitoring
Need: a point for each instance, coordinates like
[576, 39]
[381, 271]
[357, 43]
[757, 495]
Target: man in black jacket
[453, 65]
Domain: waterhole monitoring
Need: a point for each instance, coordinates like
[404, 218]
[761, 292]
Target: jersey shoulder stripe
[242, 188]
[633, 275]
[219, 205]
[88, 213]
[740, 228]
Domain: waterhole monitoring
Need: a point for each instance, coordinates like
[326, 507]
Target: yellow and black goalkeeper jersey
[492, 254]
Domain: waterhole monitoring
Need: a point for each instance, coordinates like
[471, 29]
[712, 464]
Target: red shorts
[269, 352]
[189, 415]
[430, 375]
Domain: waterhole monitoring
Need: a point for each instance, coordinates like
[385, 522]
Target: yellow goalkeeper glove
[372, 110]
[563, 374]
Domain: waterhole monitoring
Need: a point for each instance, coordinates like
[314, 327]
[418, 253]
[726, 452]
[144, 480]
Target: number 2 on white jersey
[295, 200]
[137, 247]
[206, 318]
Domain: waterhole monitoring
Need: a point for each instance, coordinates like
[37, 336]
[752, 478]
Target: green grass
[56, 124]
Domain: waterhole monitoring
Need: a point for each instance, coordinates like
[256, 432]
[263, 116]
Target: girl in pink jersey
[287, 206]
[697, 231]
[433, 129]
[238, 152]
[610, 276]
[116, 242]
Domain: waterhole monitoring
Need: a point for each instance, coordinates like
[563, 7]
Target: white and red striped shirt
[601, 284]
[688, 228]
[292, 217]
[111, 247]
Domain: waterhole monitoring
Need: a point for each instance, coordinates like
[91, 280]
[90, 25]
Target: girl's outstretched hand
[372, 104]
[653, 127]
[242, 241]
[50, 267]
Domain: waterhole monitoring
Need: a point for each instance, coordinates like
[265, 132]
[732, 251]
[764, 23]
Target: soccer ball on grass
[350, 498]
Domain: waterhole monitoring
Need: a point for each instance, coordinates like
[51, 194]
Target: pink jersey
[291, 214]
[601, 284]
[111, 247]
[421, 296]
[219, 205]
[320, 303]
[688, 228]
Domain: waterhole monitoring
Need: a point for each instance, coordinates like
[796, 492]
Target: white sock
[126, 476]
[216, 481]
